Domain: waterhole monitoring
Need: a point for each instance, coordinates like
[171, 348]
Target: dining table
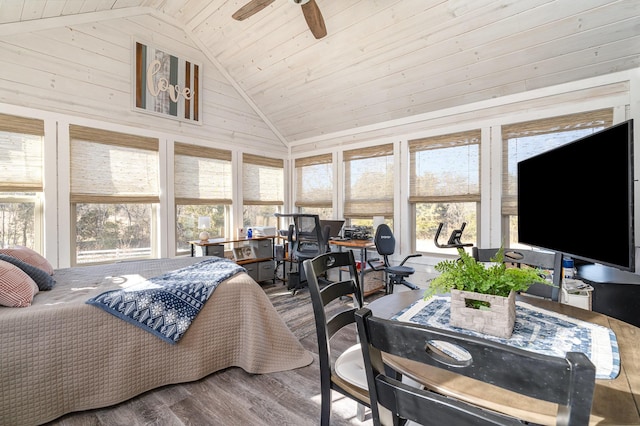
[616, 401]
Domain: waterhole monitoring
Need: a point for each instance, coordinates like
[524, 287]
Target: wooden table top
[353, 243]
[615, 402]
[218, 241]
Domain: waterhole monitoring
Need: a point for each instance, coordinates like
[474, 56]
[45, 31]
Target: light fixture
[300, 2]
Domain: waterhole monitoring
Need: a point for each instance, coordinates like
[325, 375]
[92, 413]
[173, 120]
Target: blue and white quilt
[536, 330]
[166, 305]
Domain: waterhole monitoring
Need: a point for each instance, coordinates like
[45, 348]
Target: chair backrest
[385, 241]
[309, 238]
[568, 382]
[536, 259]
[340, 315]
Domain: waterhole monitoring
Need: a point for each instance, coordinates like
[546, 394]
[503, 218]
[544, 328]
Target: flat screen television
[577, 199]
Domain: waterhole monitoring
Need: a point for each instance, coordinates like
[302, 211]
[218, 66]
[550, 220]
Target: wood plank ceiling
[385, 60]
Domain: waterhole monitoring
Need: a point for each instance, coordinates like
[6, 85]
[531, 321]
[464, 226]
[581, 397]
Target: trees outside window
[109, 232]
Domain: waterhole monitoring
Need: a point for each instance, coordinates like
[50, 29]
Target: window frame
[419, 196]
[358, 209]
[29, 187]
[216, 198]
[593, 120]
[318, 200]
[253, 197]
[83, 192]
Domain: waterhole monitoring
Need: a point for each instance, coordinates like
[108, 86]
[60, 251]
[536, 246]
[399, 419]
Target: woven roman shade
[111, 167]
[202, 175]
[369, 182]
[524, 140]
[21, 154]
[314, 181]
[263, 180]
[445, 168]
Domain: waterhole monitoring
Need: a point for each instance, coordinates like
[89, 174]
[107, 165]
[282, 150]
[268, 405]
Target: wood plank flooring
[234, 397]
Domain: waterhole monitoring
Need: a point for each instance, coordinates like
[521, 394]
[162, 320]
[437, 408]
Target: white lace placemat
[537, 330]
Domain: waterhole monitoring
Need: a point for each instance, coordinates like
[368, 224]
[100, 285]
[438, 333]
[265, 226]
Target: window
[368, 174]
[114, 195]
[314, 185]
[263, 190]
[203, 192]
[524, 140]
[21, 182]
[444, 187]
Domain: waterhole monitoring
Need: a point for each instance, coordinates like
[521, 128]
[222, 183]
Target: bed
[61, 354]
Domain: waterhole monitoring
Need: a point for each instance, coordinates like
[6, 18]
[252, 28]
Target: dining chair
[568, 382]
[532, 258]
[343, 372]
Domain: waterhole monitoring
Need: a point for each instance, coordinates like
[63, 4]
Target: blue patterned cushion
[40, 276]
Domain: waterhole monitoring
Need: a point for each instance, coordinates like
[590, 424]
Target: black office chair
[343, 373]
[308, 239]
[535, 259]
[386, 246]
[568, 382]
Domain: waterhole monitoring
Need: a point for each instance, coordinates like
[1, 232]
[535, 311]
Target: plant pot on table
[496, 316]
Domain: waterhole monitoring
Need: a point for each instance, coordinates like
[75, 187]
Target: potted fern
[482, 297]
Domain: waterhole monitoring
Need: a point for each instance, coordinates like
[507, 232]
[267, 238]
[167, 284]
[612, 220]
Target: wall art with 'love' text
[167, 85]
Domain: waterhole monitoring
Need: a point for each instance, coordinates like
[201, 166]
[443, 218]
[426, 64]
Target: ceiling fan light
[300, 2]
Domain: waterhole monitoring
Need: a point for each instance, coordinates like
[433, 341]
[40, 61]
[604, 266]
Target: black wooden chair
[343, 373]
[394, 274]
[535, 259]
[568, 382]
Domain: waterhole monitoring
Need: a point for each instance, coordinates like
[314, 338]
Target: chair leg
[325, 407]
[360, 412]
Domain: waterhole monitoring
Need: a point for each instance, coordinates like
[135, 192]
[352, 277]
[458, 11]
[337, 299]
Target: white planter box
[497, 320]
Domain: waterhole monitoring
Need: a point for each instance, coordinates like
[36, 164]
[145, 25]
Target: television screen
[578, 199]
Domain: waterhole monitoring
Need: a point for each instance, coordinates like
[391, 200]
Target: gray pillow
[40, 276]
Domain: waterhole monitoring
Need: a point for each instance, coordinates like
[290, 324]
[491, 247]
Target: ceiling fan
[310, 11]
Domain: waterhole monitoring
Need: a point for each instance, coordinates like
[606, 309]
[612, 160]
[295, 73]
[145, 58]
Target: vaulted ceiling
[384, 60]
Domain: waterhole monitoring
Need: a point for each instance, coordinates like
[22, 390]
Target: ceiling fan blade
[314, 19]
[251, 8]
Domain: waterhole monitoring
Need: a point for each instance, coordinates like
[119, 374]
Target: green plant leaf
[467, 274]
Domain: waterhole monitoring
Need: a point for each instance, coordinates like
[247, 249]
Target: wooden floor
[234, 397]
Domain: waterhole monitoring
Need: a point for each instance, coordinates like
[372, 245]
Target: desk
[363, 245]
[615, 402]
[260, 264]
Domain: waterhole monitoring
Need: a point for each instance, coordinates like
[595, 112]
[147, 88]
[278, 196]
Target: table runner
[537, 330]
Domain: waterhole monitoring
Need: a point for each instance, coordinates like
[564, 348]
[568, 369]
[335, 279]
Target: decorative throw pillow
[16, 287]
[29, 256]
[41, 278]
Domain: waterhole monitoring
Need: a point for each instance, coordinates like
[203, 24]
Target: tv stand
[616, 293]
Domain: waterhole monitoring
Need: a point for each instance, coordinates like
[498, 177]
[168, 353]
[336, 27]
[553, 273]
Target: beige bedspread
[60, 355]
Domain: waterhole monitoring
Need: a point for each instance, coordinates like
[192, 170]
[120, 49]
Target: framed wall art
[166, 85]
